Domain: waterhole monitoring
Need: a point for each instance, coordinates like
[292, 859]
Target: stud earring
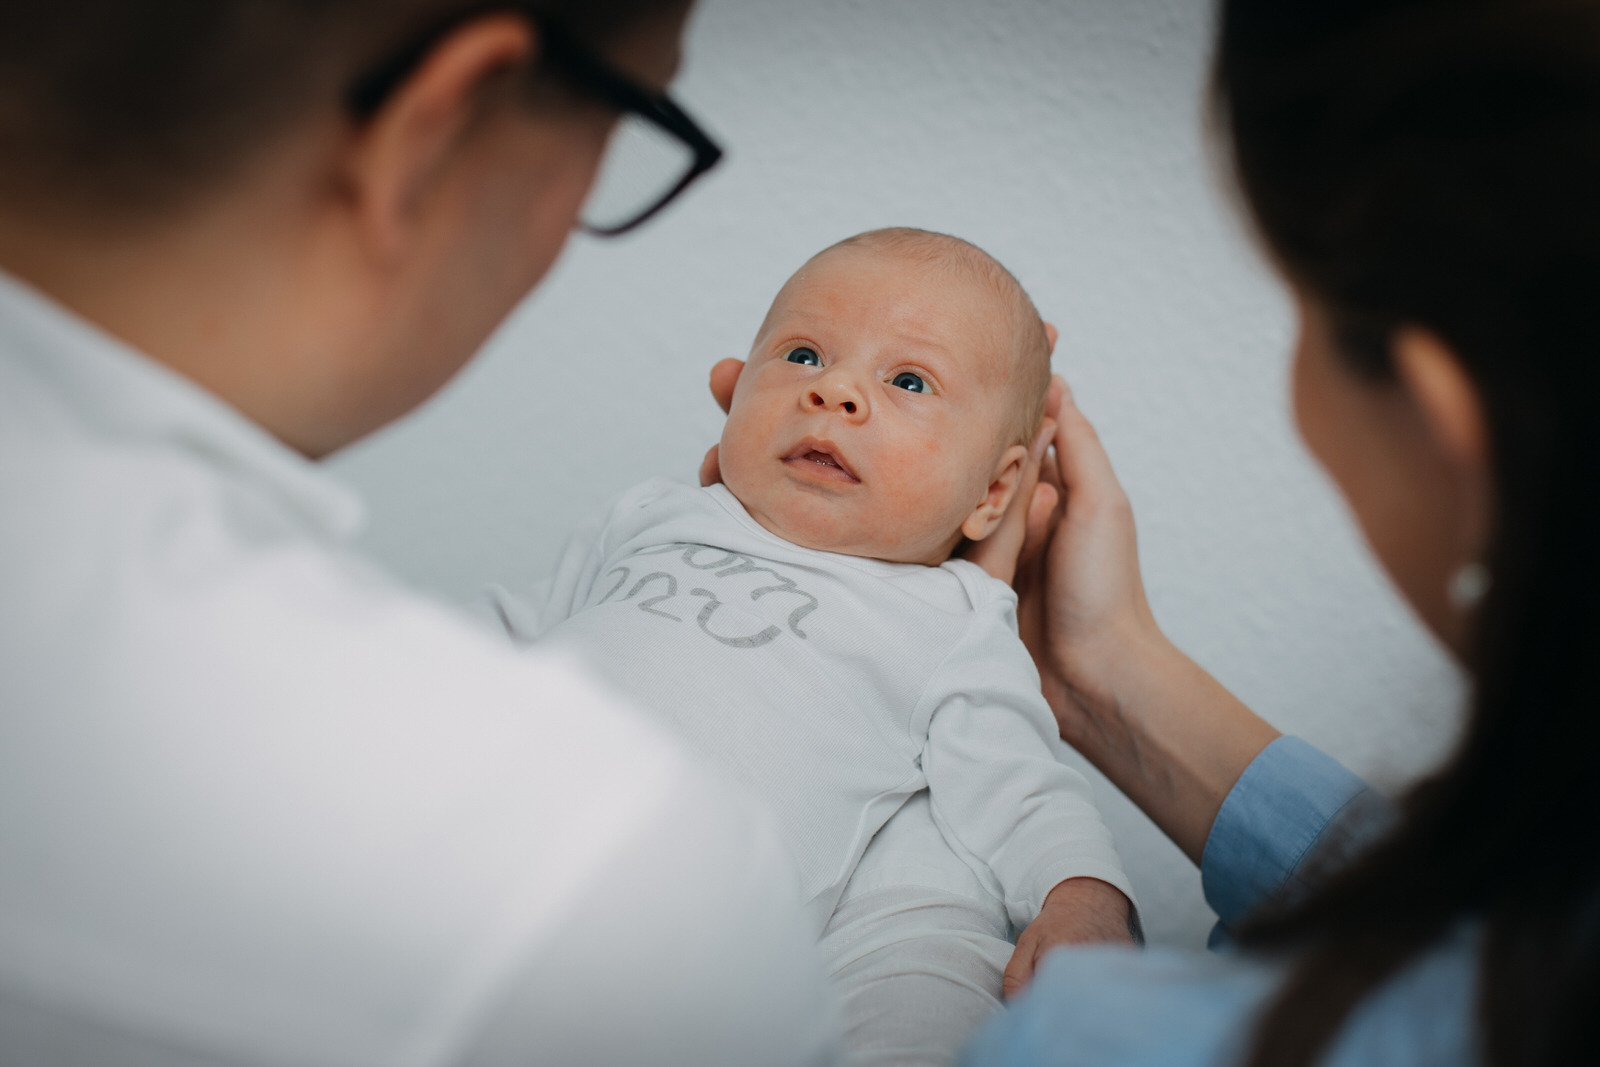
[1468, 586]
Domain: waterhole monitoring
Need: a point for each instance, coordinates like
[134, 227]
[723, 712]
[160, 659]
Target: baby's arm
[998, 789]
[1079, 911]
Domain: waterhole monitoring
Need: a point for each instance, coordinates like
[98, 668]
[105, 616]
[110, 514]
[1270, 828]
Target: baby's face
[869, 417]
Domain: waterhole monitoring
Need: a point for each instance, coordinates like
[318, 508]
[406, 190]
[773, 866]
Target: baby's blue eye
[910, 382]
[805, 356]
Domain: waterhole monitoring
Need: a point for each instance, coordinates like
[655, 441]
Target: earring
[1468, 586]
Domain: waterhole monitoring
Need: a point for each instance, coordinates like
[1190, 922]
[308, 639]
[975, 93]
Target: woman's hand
[1073, 556]
[1082, 609]
[724, 376]
[1166, 732]
[1027, 522]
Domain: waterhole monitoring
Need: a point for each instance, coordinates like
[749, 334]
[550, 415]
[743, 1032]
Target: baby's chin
[799, 524]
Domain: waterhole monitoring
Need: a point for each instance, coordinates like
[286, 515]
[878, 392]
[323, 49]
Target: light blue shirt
[1109, 1007]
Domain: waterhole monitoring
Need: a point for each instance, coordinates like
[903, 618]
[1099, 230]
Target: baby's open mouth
[821, 459]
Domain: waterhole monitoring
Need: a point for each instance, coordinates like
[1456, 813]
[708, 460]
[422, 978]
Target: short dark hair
[1436, 163]
[124, 108]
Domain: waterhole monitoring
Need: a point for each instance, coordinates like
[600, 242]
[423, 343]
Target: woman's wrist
[1165, 732]
[1100, 684]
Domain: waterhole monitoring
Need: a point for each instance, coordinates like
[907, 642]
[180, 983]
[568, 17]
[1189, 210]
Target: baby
[804, 623]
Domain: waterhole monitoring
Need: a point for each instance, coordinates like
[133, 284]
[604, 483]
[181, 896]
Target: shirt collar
[121, 393]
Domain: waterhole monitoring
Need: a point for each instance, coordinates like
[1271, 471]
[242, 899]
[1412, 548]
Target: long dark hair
[1437, 163]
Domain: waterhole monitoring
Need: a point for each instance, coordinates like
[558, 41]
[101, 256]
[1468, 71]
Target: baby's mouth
[821, 459]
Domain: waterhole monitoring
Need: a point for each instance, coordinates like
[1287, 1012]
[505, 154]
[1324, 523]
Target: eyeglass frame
[587, 70]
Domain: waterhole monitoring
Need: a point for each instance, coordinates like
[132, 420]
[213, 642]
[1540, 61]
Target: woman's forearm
[1167, 733]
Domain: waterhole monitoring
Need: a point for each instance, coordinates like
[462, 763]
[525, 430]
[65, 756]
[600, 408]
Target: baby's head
[889, 399]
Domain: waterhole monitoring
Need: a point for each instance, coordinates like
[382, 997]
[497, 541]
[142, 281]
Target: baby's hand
[1079, 911]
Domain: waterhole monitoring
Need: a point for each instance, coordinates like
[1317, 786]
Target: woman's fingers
[724, 377]
[1049, 470]
[1081, 459]
[711, 467]
[1052, 396]
[998, 553]
[1042, 520]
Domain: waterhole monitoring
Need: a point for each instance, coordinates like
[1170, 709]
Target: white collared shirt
[260, 805]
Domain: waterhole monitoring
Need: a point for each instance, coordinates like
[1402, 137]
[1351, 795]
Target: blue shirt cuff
[1270, 821]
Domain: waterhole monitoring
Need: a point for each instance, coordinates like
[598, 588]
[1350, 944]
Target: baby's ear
[1052, 334]
[985, 518]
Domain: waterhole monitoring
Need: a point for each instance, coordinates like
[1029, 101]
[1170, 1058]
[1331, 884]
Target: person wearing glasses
[258, 805]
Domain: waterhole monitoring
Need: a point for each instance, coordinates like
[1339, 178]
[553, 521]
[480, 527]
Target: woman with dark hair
[1426, 176]
[258, 804]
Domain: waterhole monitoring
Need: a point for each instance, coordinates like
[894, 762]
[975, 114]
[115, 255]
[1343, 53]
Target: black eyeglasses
[656, 152]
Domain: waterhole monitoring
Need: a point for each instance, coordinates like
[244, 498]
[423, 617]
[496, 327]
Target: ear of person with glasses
[258, 803]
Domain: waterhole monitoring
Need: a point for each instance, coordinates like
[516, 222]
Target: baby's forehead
[936, 294]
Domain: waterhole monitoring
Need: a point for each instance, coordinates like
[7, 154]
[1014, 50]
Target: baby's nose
[836, 390]
[845, 405]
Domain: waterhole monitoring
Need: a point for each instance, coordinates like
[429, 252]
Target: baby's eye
[805, 356]
[910, 382]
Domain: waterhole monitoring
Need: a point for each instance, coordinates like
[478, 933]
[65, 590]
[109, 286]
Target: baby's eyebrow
[925, 342]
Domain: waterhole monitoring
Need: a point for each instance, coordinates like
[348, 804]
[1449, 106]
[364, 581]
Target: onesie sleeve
[994, 781]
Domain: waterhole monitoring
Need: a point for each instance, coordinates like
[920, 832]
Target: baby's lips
[811, 447]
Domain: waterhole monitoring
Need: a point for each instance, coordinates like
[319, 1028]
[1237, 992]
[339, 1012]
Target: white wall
[1064, 137]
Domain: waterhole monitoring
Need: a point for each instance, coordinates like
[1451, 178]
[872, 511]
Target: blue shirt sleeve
[1115, 1007]
[1291, 803]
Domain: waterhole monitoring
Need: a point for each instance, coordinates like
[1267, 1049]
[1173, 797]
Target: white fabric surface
[259, 806]
[834, 686]
[916, 948]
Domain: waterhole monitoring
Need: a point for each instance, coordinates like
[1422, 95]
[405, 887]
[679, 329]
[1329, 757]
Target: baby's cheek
[742, 434]
[736, 467]
[922, 457]
[734, 456]
[928, 484]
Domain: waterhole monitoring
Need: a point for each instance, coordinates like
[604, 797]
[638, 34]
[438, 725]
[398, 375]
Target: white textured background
[1064, 136]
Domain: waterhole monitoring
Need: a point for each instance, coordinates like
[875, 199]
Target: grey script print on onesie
[659, 587]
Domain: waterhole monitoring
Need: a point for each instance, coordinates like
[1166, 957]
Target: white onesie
[834, 686]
